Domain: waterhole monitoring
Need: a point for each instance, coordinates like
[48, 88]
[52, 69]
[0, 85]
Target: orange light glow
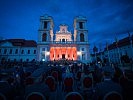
[57, 53]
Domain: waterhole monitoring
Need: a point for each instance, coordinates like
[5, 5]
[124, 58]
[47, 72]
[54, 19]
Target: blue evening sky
[106, 18]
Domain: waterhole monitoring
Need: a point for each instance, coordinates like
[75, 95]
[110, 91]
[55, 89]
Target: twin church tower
[63, 44]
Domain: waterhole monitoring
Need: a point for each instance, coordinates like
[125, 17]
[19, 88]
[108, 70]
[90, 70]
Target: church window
[0, 50]
[83, 56]
[45, 25]
[63, 30]
[63, 40]
[82, 37]
[81, 25]
[43, 49]
[44, 37]
[83, 49]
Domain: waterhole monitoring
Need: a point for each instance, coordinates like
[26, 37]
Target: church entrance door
[63, 56]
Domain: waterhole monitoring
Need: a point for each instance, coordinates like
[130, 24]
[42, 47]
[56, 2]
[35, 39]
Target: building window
[28, 51]
[82, 37]
[33, 60]
[81, 25]
[5, 51]
[83, 56]
[45, 25]
[22, 52]
[9, 60]
[21, 60]
[16, 52]
[125, 52]
[63, 30]
[44, 37]
[63, 40]
[15, 60]
[34, 51]
[10, 51]
[43, 49]
[0, 50]
[83, 49]
[27, 60]
[43, 56]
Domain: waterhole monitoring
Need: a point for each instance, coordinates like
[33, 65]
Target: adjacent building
[116, 51]
[18, 50]
[120, 48]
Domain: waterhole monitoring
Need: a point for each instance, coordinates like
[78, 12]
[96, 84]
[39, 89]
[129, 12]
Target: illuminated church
[63, 44]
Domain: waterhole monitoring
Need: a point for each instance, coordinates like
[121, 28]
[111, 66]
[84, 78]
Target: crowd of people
[57, 80]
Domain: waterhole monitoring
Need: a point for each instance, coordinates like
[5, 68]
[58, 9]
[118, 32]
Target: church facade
[50, 46]
[63, 44]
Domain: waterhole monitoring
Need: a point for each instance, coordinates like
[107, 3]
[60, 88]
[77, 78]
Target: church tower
[45, 31]
[81, 38]
[45, 36]
[80, 30]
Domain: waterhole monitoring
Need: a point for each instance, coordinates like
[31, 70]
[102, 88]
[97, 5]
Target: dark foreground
[66, 80]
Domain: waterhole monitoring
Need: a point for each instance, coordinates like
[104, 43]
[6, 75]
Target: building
[116, 50]
[63, 44]
[18, 50]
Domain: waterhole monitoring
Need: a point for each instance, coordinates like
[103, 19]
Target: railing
[66, 42]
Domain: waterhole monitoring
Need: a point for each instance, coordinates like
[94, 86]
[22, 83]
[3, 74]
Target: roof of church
[21, 42]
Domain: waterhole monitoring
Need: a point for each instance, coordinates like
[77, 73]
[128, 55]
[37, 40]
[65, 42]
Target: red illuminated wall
[57, 52]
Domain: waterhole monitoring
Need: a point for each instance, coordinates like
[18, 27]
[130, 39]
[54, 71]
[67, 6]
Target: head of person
[108, 71]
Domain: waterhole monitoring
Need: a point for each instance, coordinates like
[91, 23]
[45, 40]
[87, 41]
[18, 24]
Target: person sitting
[102, 88]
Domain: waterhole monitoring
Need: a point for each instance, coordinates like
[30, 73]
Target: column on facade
[60, 52]
[66, 53]
[72, 53]
[54, 53]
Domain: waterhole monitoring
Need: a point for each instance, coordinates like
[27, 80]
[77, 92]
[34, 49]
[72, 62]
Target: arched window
[82, 37]
[63, 40]
[44, 37]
